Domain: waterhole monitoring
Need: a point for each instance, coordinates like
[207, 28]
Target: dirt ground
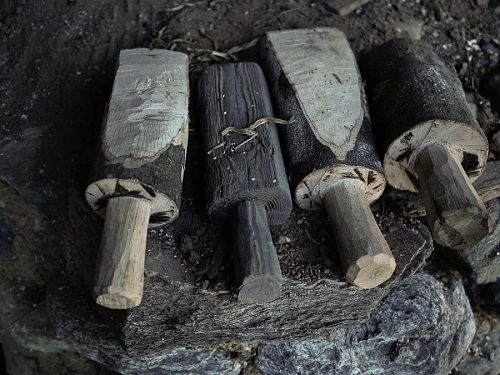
[57, 61]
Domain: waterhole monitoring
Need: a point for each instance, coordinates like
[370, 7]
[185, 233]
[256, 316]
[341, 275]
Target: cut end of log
[259, 289]
[163, 209]
[310, 192]
[371, 270]
[118, 300]
[462, 229]
[469, 144]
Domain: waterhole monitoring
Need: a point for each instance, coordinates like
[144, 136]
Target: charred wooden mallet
[430, 137]
[330, 150]
[245, 176]
[138, 174]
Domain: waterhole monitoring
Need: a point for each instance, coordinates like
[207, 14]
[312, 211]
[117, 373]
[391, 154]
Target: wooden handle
[256, 261]
[365, 256]
[120, 264]
[457, 217]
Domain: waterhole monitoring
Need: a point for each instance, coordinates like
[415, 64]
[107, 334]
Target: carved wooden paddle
[137, 179]
[245, 176]
[431, 140]
[330, 150]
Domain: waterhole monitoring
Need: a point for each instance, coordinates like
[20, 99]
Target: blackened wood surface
[304, 152]
[408, 85]
[257, 265]
[237, 95]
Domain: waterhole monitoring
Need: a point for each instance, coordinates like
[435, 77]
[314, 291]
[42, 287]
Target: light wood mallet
[431, 140]
[245, 175]
[137, 177]
[330, 151]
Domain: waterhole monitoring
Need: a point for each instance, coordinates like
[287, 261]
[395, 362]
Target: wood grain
[248, 183]
[257, 265]
[456, 214]
[318, 64]
[145, 133]
[237, 95]
[416, 99]
[487, 187]
[144, 118]
[139, 168]
[120, 264]
[366, 258]
[313, 76]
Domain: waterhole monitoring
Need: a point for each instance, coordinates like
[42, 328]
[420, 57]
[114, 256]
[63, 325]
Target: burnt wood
[414, 98]
[429, 136]
[304, 152]
[257, 265]
[144, 134]
[330, 150]
[137, 177]
[237, 95]
[247, 182]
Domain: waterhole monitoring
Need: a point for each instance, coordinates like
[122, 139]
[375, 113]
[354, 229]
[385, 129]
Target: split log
[429, 136]
[314, 77]
[137, 177]
[246, 177]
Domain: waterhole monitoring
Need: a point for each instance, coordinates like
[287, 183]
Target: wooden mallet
[330, 150]
[245, 175]
[137, 177]
[431, 140]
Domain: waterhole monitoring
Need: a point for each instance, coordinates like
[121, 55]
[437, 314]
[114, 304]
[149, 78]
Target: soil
[57, 61]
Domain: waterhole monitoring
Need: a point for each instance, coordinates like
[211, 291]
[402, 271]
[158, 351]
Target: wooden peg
[456, 214]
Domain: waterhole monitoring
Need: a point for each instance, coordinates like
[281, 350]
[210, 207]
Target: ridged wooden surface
[322, 88]
[237, 95]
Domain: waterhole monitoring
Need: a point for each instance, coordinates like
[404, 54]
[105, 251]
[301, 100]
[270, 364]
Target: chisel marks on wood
[148, 107]
[312, 61]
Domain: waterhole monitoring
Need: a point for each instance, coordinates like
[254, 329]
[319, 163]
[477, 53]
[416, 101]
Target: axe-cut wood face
[144, 118]
[331, 152]
[321, 68]
[313, 76]
[137, 178]
[145, 133]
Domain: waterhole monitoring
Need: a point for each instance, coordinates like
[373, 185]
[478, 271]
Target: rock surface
[176, 313]
[483, 357]
[422, 327]
[484, 258]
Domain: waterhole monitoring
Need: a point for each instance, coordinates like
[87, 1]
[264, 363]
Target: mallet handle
[255, 256]
[120, 265]
[365, 256]
[456, 214]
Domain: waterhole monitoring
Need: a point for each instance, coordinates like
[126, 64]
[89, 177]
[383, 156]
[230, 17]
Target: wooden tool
[430, 138]
[138, 173]
[245, 175]
[330, 150]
